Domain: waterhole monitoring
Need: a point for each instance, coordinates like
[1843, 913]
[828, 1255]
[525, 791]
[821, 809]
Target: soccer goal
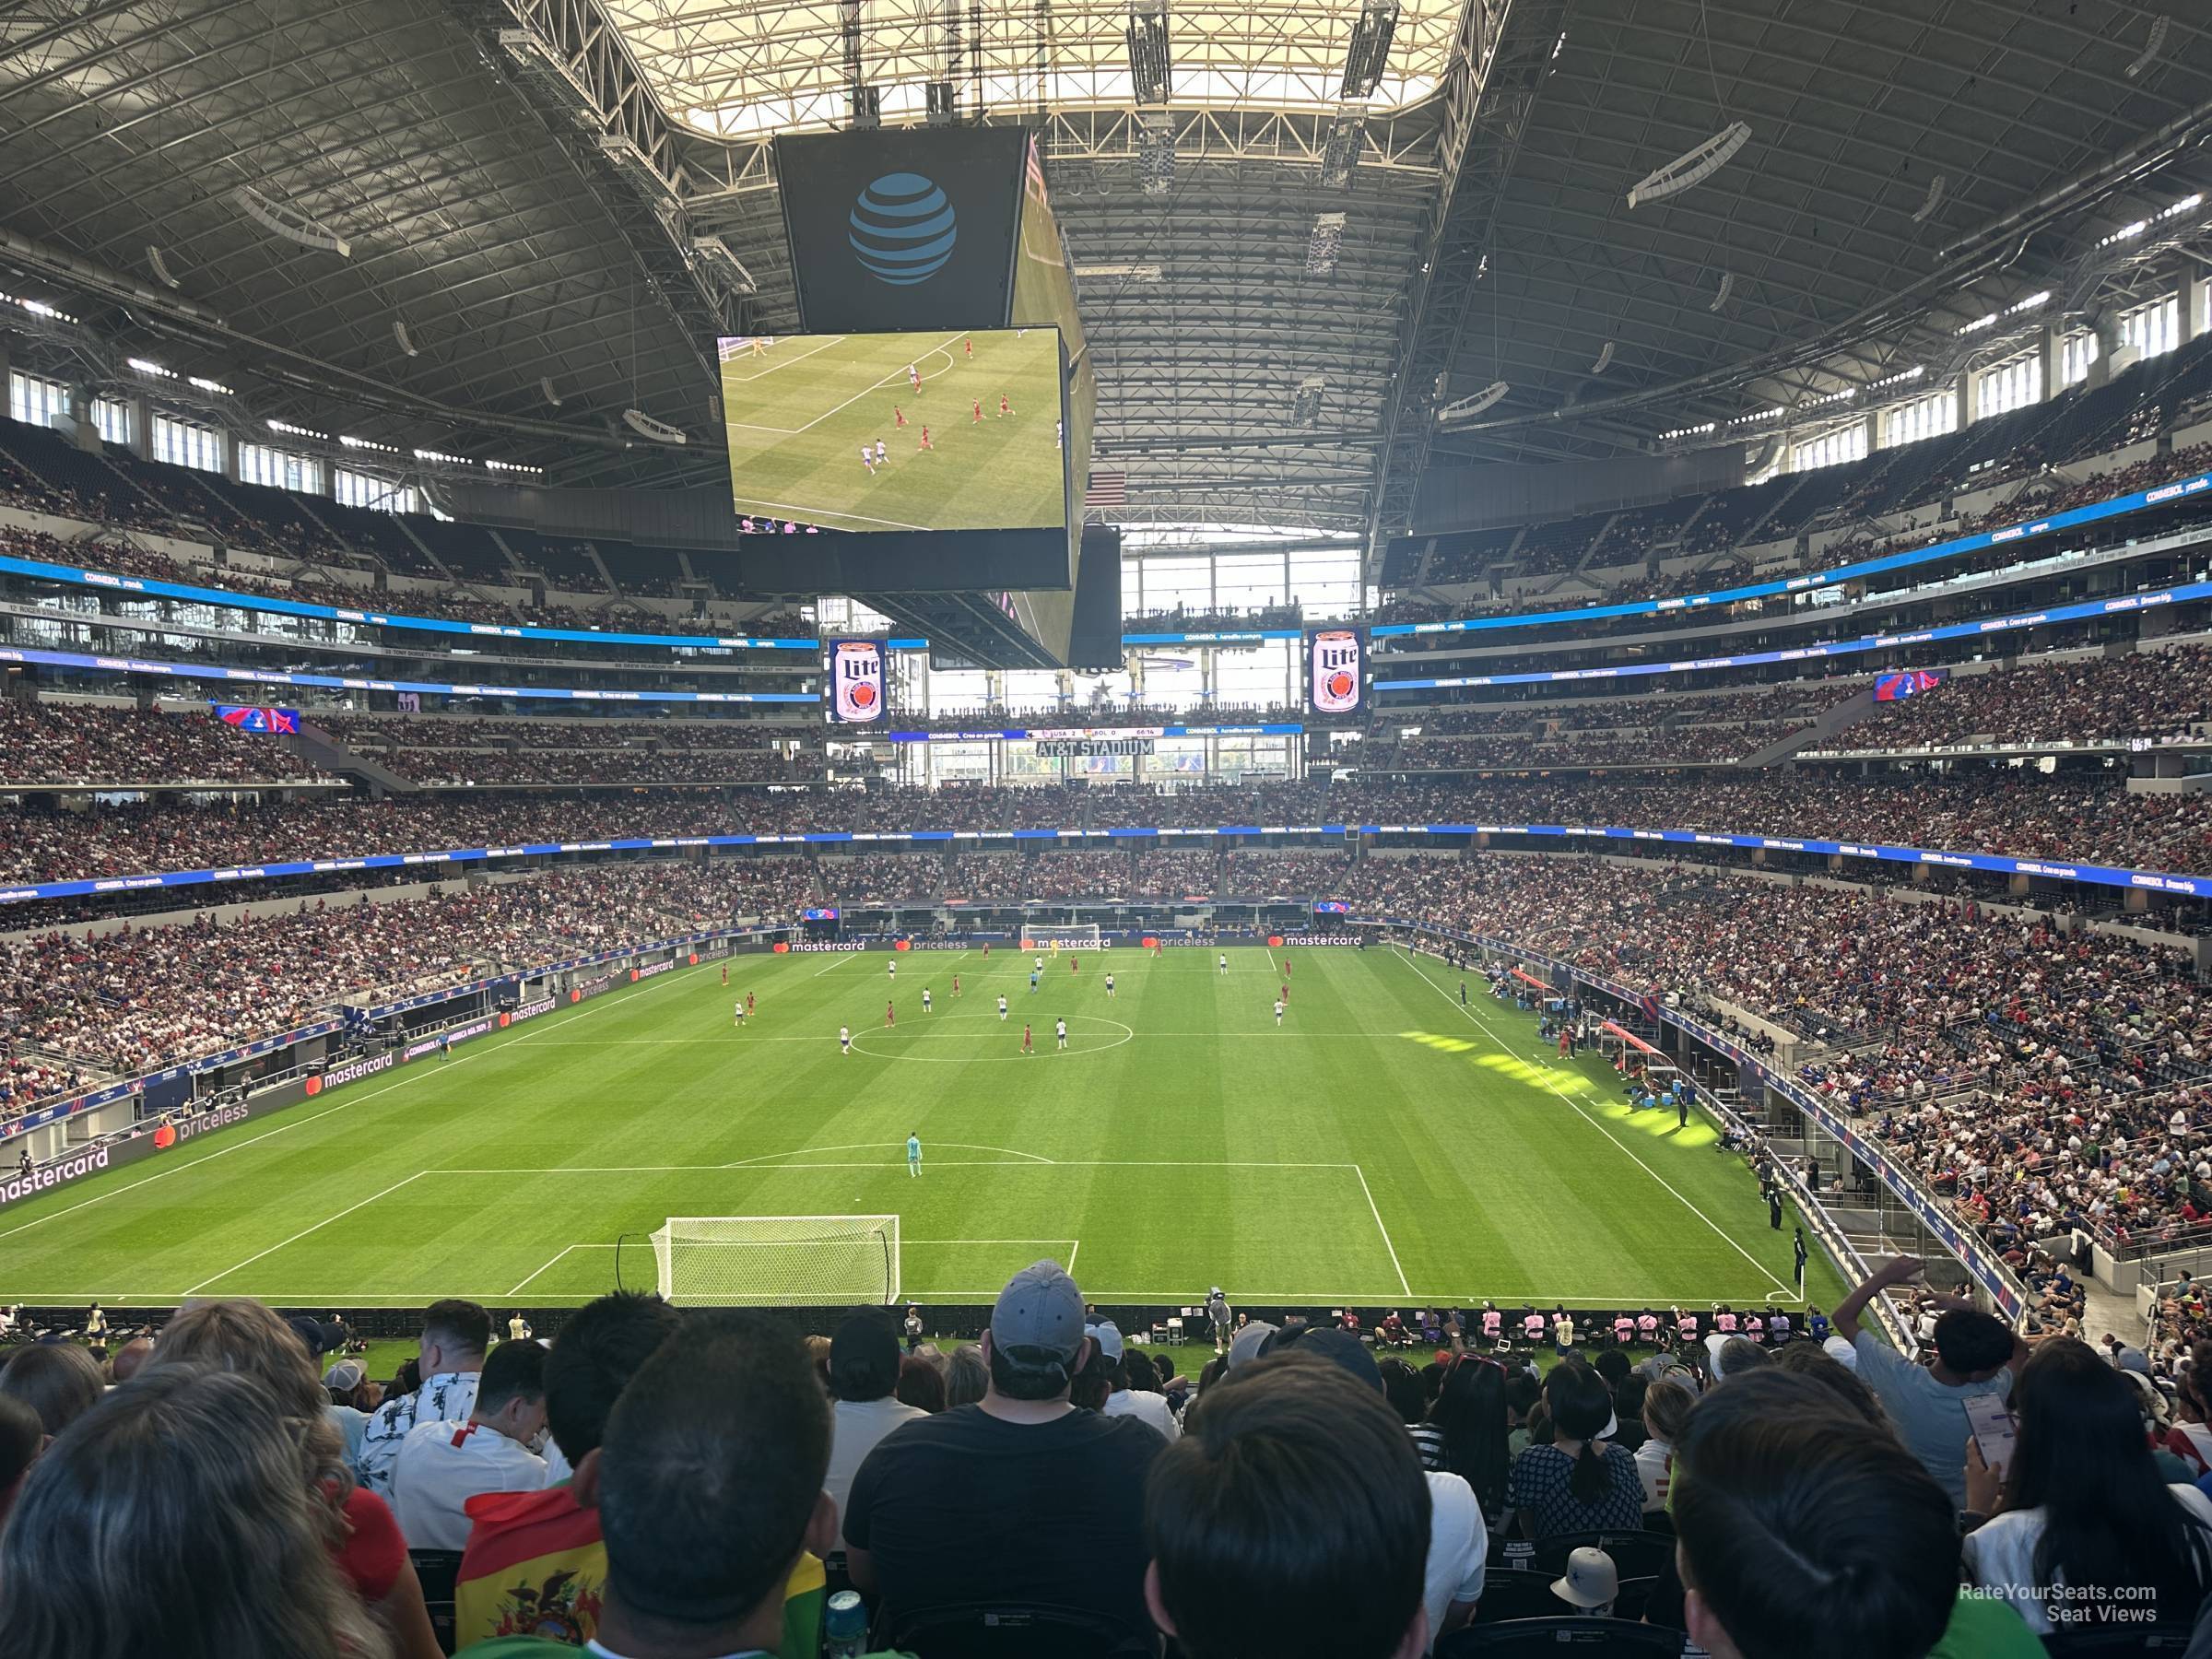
[778, 1261]
[1084, 937]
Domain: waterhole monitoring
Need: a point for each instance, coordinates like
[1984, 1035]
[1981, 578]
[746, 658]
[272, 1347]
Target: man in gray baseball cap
[1019, 1498]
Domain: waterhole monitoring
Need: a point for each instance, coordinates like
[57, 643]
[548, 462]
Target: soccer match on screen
[933, 430]
[1377, 830]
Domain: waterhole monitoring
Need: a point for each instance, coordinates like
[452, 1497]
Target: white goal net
[1084, 937]
[781, 1261]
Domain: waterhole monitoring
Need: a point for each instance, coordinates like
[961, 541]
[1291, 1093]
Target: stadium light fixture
[283, 219]
[1155, 152]
[1692, 167]
[514, 466]
[622, 153]
[1305, 403]
[1754, 417]
[660, 431]
[1325, 243]
[544, 384]
[159, 266]
[146, 365]
[1605, 359]
[1702, 429]
[1937, 186]
[715, 253]
[399, 333]
[289, 430]
[37, 307]
[1468, 408]
[541, 69]
[1900, 378]
[2125, 233]
[1727, 288]
[1148, 53]
[214, 388]
[1369, 51]
[369, 443]
[1341, 148]
[2152, 46]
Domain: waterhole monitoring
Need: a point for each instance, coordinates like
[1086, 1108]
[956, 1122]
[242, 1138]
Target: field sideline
[1383, 1148]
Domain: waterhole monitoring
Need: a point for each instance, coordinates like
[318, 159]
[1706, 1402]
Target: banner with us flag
[1107, 490]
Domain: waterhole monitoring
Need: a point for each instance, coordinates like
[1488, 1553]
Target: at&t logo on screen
[902, 229]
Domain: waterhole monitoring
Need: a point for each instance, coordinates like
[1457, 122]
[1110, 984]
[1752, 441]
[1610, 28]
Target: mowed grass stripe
[1177, 1162]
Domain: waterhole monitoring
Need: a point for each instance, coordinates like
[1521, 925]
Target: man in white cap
[1123, 1400]
[1018, 1498]
[1591, 1584]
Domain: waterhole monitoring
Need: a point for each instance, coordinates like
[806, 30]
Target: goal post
[1082, 937]
[778, 1261]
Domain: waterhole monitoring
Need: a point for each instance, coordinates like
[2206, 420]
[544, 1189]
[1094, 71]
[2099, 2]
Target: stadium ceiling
[566, 199]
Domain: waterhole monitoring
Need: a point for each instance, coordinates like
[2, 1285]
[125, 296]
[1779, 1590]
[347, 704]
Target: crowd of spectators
[662, 1483]
[2047, 1077]
[78, 743]
[438, 753]
[134, 1000]
[2156, 696]
[2090, 818]
[1172, 872]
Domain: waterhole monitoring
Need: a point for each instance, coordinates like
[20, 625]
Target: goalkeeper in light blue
[913, 1155]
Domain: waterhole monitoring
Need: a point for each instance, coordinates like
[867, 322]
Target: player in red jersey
[748, 1002]
[1075, 963]
[1005, 408]
[970, 345]
[955, 984]
[890, 1016]
[1286, 990]
[925, 442]
[1027, 1047]
[978, 413]
[726, 974]
[899, 415]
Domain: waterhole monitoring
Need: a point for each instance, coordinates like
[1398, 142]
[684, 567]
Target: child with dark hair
[1581, 1482]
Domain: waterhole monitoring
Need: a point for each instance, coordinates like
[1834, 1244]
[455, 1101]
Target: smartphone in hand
[1990, 1420]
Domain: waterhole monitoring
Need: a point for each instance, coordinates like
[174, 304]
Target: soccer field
[797, 413]
[1383, 1148]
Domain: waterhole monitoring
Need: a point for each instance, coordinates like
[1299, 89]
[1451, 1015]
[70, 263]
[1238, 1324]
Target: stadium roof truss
[574, 194]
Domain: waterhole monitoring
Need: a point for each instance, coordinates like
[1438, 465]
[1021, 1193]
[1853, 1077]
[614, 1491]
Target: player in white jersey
[926, 999]
[845, 1039]
[882, 455]
[867, 458]
[1279, 1011]
[891, 968]
[1002, 1005]
[1038, 964]
[1224, 964]
[1060, 1031]
[1109, 986]
[740, 1021]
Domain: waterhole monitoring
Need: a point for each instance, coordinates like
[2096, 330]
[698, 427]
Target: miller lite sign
[1333, 670]
[855, 681]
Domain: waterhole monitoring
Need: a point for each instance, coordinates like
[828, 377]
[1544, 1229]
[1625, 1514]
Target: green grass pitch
[797, 413]
[1383, 1148]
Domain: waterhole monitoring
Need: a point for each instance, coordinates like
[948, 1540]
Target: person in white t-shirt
[863, 1369]
[1123, 1400]
[2079, 1457]
[442, 1465]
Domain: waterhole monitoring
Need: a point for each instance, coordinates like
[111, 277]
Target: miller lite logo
[856, 681]
[1336, 667]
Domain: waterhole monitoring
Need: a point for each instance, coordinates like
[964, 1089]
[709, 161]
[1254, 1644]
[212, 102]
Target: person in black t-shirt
[1020, 1498]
